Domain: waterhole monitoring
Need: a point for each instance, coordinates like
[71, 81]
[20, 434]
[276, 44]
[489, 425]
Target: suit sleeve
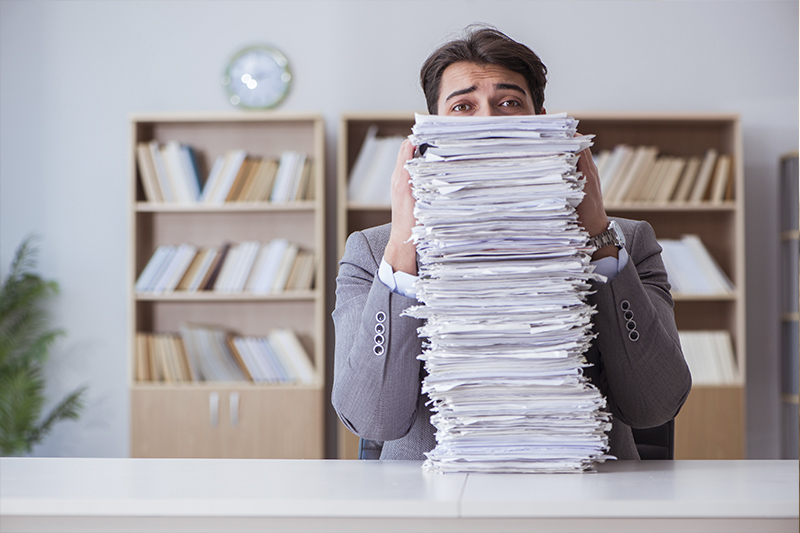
[644, 371]
[376, 383]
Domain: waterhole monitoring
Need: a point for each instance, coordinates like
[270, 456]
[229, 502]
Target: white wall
[71, 72]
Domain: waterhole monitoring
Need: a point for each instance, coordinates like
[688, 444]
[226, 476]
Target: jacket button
[628, 314]
[380, 316]
[631, 325]
[625, 305]
[379, 339]
[379, 328]
[633, 335]
[378, 349]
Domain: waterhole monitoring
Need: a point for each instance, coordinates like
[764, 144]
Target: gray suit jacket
[637, 360]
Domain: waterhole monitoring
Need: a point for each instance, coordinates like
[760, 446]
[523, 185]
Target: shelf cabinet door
[231, 423]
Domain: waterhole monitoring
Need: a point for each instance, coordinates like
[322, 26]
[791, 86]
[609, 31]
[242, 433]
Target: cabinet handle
[234, 404]
[213, 408]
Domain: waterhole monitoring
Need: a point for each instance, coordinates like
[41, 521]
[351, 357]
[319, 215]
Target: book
[686, 182]
[296, 280]
[621, 158]
[173, 165]
[191, 271]
[213, 272]
[670, 180]
[156, 373]
[635, 177]
[147, 174]
[370, 178]
[691, 269]
[240, 356]
[241, 179]
[284, 268]
[721, 180]
[214, 176]
[224, 178]
[244, 265]
[710, 356]
[192, 169]
[261, 187]
[649, 179]
[700, 189]
[142, 359]
[161, 172]
[154, 267]
[206, 259]
[304, 182]
[176, 269]
[265, 270]
[208, 347]
[358, 173]
[187, 371]
[292, 354]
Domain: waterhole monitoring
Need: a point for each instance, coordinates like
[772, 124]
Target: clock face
[257, 77]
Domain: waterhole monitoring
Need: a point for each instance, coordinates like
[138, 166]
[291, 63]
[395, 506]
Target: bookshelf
[241, 418]
[711, 424]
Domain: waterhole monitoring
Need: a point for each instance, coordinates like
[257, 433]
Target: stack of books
[710, 356]
[247, 267]
[205, 353]
[371, 176]
[170, 173]
[640, 174]
[503, 279]
[692, 270]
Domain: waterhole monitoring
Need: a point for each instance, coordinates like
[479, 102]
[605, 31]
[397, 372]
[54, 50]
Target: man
[636, 358]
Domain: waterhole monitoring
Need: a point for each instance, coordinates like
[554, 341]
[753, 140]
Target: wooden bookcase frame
[234, 419]
[711, 425]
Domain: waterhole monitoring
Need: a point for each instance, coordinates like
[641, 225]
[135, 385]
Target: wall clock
[257, 77]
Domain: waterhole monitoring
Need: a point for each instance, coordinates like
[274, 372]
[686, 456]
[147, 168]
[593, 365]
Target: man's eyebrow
[461, 91]
[511, 86]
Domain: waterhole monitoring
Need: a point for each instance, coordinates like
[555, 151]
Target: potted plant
[25, 341]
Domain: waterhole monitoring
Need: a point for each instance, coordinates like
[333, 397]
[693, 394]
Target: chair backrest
[651, 443]
[657, 442]
[369, 449]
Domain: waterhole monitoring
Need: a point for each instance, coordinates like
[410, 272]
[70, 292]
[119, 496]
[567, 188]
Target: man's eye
[458, 108]
[509, 103]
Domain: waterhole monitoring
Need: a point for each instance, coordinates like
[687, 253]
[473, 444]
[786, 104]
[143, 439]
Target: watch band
[612, 235]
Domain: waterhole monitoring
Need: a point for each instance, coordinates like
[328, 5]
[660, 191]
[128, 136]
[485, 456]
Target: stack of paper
[504, 272]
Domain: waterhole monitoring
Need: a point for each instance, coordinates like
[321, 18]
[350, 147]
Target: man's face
[468, 89]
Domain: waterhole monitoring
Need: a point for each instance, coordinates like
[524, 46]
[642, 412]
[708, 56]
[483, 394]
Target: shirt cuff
[401, 283]
[611, 266]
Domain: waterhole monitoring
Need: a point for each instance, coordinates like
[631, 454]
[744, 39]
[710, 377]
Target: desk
[70, 494]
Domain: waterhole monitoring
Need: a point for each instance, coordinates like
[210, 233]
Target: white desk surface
[73, 494]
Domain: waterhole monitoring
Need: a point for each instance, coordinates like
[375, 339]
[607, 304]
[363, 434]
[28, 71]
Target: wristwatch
[612, 235]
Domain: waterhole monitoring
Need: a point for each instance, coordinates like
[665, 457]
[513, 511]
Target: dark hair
[484, 46]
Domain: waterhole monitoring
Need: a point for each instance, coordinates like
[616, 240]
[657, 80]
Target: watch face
[257, 77]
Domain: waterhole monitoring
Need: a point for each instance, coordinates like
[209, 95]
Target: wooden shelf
[209, 296]
[229, 419]
[719, 225]
[230, 207]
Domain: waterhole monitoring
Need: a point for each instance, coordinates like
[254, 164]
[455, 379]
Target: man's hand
[591, 211]
[400, 252]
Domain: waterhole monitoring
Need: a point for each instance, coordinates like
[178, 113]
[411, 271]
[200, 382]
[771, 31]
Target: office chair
[657, 442]
[369, 449]
[651, 443]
